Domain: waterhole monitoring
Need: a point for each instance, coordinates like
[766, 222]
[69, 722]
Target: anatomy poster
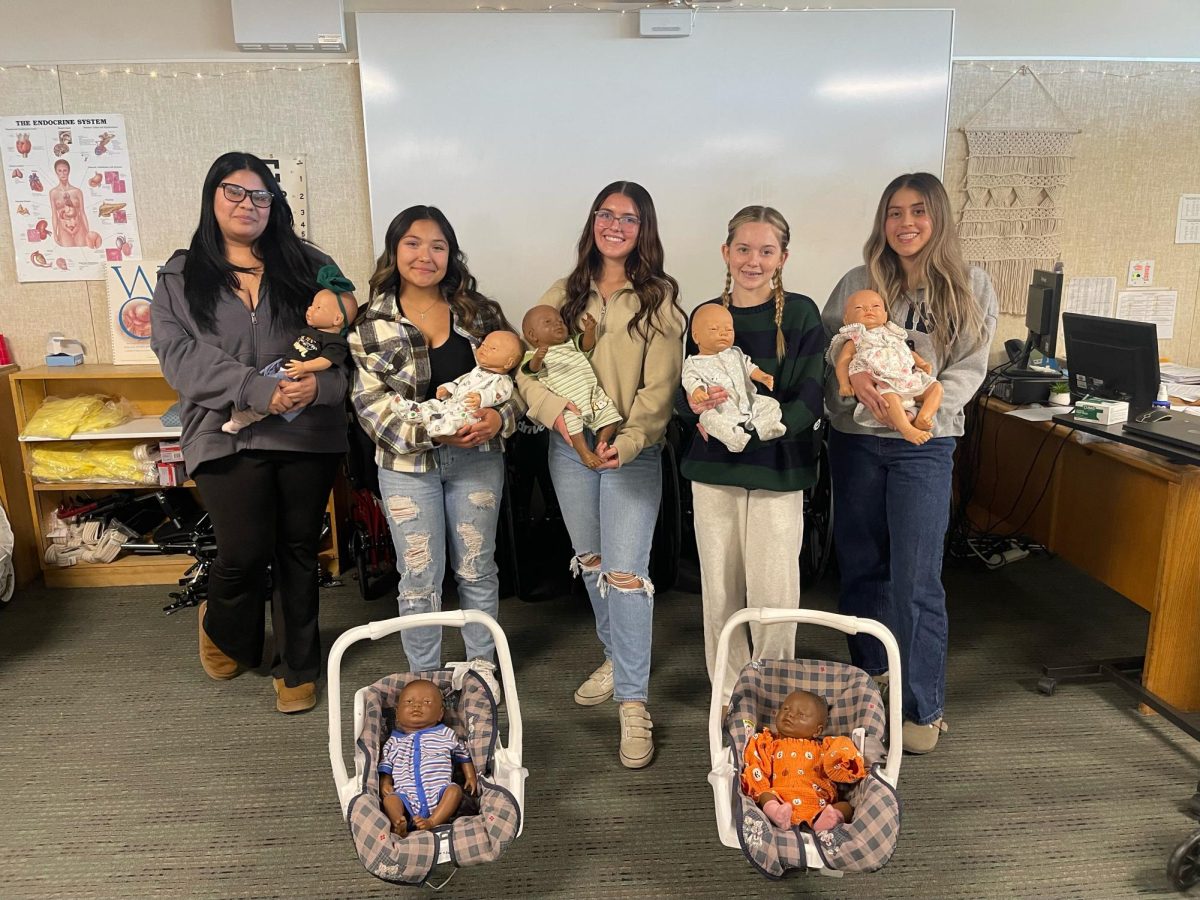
[70, 195]
[130, 285]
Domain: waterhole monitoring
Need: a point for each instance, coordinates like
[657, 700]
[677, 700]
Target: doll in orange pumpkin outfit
[792, 773]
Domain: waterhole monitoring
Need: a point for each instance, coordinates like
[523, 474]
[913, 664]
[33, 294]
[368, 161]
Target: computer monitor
[1041, 316]
[1112, 358]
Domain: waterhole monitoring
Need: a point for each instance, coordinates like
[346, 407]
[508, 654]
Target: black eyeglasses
[235, 193]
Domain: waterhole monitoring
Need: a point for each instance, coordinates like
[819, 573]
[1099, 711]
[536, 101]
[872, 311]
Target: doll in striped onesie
[563, 365]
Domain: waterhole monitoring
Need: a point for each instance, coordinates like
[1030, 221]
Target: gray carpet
[125, 771]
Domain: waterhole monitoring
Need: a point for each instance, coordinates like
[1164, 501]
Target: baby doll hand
[769, 381]
[442, 393]
[699, 395]
[845, 390]
[293, 368]
[588, 321]
[471, 783]
[713, 397]
[925, 366]
[471, 401]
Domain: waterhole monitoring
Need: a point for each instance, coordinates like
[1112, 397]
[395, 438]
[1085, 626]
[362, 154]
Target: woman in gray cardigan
[223, 311]
[891, 497]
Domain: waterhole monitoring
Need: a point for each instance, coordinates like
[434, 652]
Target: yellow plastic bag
[59, 417]
[112, 412]
[103, 462]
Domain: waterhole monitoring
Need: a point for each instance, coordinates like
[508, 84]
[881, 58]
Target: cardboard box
[64, 359]
[170, 451]
[1102, 412]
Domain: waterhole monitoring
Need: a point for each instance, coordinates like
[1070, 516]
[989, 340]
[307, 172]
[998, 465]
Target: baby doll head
[499, 352]
[866, 308]
[330, 312]
[419, 706]
[712, 328]
[543, 326]
[802, 715]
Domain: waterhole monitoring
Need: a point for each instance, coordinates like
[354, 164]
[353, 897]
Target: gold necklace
[422, 312]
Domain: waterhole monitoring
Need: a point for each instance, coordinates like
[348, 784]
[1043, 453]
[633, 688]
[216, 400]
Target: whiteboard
[511, 123]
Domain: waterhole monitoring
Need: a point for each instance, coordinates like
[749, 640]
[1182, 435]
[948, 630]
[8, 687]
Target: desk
[1125, 516]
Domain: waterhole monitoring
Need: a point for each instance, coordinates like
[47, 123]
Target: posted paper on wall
[1150, 306]
[130, 285]
[1187, 224]
[70, 195]
[1090, 296]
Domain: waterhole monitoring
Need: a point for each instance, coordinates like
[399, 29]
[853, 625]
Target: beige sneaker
[598, 687]
[637, 743]
[923, 738]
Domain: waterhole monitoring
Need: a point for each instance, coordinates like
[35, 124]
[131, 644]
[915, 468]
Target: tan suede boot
[294, 699]
[215, 663]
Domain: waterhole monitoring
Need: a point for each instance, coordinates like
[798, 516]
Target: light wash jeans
[891, 502]
[460, 501]
[612, 513]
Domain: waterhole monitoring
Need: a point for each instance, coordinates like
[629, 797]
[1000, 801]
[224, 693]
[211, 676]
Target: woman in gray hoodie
[225, 309]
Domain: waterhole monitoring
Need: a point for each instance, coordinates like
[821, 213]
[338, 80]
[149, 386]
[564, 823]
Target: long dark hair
[457, 287]
[643, 267]
[289, 273]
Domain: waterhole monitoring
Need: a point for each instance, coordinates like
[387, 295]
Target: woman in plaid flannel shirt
[420, 329]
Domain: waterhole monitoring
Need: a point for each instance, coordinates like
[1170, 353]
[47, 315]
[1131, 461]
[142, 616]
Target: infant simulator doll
[563, 365]
[868, 342]
[720, 363]
[416, 767]
[486, 385]
[319, 346]
[791, 772]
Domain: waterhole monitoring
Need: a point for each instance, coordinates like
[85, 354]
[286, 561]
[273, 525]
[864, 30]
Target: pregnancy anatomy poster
[130, 286]
[70, 195]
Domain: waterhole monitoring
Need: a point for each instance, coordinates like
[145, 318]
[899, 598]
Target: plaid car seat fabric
[485, 826]
[863, 845]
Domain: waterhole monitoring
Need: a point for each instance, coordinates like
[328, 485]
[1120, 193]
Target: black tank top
[453, 359]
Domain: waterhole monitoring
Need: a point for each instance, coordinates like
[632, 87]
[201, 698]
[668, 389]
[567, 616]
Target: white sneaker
[637, 743]
[598, 687]
[487, 672]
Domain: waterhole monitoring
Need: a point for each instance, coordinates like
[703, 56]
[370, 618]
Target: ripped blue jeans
[456, 504]
[611, 514]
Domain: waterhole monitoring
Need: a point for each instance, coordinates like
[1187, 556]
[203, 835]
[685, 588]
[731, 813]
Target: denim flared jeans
[891, 502]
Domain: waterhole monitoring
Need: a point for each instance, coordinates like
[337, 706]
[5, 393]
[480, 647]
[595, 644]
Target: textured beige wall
[1137, 151]
[176, 127]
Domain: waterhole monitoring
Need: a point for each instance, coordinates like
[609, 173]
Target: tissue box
[64, 359]
[1102, 412]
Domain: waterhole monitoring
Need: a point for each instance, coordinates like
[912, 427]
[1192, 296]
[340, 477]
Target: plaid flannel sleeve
[383, 370]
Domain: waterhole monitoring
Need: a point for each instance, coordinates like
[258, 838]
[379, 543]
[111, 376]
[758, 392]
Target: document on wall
[1090, 296]
[70, 195]
[1187, 224]
[1150, 306]
[289, 171]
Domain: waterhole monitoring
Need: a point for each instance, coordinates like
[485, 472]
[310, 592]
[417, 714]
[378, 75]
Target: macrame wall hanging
[1016, 176]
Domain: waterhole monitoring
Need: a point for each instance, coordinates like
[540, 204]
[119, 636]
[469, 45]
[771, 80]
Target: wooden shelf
[145, 387]
[75, 486]
[142, 428]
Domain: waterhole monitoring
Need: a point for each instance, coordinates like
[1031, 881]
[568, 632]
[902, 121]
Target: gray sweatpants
[749, 544]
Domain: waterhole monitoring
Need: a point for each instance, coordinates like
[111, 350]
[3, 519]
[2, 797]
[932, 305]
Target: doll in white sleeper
[719, 363]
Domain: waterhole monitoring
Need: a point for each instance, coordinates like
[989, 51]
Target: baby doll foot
[923, 423]
[830, 817]
[400, 829]
[591, 460]
[778, 812]
[231, 427]
[915, 436]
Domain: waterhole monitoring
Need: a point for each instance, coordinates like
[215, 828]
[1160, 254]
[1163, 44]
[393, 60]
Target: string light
[105, 72]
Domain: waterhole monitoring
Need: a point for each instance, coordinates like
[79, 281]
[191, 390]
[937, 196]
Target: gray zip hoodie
[961, 373]
[218, 371]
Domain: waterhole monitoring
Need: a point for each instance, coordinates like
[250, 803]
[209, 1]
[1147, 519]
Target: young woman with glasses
[420, 329]
[224, 309]
[892, 497]
[610, 511]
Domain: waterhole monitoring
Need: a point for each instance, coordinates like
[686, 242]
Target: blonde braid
[780, 343]
[726, 297]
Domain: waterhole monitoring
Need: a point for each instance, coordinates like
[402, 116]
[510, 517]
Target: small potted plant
[1060, 394]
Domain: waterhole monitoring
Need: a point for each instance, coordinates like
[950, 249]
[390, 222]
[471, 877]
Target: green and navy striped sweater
[787, 463]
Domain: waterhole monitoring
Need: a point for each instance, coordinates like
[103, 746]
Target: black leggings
[266, 508]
